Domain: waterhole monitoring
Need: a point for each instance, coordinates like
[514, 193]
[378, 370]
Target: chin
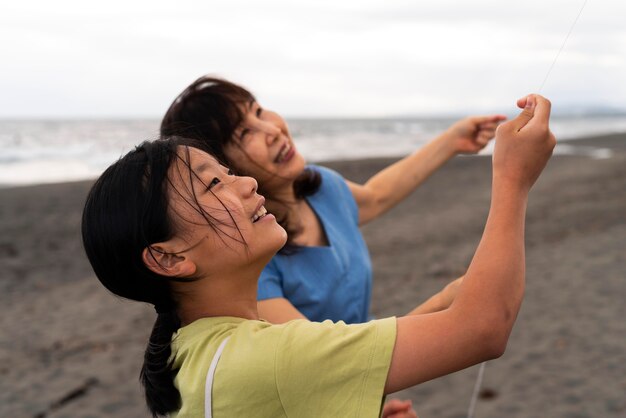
[299, 161]
[279, 236]
[273, 246]
[284, 237]
[276, 238]
[296, 167]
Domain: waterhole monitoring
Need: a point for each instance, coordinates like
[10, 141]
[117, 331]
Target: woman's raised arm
[393, 184]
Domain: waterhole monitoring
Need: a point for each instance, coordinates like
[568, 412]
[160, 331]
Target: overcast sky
[309, 58]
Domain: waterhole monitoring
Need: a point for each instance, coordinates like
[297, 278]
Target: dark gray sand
[70, 349]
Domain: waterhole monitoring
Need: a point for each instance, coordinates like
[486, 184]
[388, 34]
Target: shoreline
[68, 348]
[597, 146]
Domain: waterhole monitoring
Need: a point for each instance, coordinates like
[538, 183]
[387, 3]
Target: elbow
[496, 347]
[378, 207]
[493, 340]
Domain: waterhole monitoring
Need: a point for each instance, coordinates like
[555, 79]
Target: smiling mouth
[284, 152]
[260, 214]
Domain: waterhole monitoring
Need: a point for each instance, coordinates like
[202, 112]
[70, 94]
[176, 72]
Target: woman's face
[242, 232]
[263, 149]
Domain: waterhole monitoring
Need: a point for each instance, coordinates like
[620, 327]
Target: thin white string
[477, 385]
[481, 370]
[562, 46]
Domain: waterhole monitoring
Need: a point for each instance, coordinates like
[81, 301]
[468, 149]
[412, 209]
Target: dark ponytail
[157, 376]
[126, 211]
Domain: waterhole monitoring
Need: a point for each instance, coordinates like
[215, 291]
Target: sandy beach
[70, 349]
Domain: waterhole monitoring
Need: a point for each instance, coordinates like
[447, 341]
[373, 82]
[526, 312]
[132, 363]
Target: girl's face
[263, 149]
[219, 216]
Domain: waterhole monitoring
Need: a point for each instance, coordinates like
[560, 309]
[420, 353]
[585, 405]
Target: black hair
[127, 211]
[210, 110]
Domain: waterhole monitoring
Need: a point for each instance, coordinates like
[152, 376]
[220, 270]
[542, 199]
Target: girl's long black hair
[125, 212]
[210, 110]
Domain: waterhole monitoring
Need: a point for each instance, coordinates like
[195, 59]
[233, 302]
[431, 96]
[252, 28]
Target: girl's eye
[213, 183]
[259, 110]
[230, 172]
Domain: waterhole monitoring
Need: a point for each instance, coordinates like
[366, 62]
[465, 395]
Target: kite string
[477, 385]
[481, 370]
[562, 46]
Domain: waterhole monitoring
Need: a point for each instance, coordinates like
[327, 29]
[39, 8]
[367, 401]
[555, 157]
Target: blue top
[333, 282]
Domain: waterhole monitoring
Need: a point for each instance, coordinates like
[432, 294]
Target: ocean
[46, 151]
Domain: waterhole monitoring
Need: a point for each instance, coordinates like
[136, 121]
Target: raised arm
[391, 185]
[477, 325]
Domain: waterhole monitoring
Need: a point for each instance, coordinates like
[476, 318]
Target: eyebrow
[202, 167]
[207, 164]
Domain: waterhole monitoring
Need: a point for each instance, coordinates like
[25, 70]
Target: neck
[283, 193]
[282, 202]
[217, 296]
[292, 210]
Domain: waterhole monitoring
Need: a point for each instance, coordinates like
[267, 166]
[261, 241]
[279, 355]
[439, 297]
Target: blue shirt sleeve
[270, 283]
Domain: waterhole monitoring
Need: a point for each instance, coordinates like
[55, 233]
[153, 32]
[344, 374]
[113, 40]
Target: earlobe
[160, 261]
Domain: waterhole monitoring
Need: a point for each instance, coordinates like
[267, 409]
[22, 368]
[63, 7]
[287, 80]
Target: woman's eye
[213, 183]
[259, 110]
[230, 172]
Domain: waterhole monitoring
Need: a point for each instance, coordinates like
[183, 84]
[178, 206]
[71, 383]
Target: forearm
[476, 326]
[441, 300]
[494, 284]
[433, 304]
[407, 174]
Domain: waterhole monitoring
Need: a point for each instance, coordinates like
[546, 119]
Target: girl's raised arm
[477, 325]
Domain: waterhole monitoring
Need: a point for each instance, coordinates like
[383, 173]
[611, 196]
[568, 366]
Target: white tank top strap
[209, 379]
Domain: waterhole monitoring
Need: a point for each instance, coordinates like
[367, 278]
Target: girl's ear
[161, 260]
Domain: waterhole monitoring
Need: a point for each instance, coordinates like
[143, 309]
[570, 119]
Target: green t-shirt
[298, 369]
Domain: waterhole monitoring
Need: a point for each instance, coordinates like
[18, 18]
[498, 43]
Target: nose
[249, 185]
[272, 135]
[270, 128]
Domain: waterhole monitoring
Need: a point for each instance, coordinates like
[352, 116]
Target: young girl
[170, 226]
[320, 210]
